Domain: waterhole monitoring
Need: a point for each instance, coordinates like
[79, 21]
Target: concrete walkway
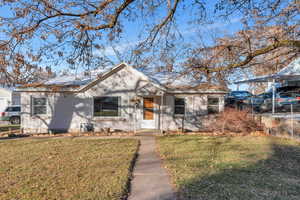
[150, 179]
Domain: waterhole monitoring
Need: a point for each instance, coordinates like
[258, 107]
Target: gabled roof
[68, 81]
[116, 69]
[176, 79]
[102, 76]
[71, 82]
[83, 82]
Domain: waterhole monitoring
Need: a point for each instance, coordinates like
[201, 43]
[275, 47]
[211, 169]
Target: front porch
[148, 109]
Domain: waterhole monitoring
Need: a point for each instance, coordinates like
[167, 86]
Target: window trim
[217, 105]
[119, 107]
[33, 106]
[184, 106]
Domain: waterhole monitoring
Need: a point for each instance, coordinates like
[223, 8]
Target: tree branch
[113, 20]
[169, 17]
[251, 56]
[102, 6]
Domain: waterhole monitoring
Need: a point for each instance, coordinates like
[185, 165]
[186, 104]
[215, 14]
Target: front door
[148, 113]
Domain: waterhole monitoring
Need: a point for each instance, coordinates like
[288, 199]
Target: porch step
[147, 132]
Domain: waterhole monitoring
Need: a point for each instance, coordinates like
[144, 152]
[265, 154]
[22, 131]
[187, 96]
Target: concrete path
[150, 179]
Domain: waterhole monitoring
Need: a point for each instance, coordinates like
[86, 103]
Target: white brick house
[122, 98]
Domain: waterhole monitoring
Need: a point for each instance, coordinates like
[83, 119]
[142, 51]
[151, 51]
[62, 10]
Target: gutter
[195, 92]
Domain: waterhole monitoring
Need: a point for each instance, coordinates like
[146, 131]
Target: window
[179, 106]
[13, 109]
[106, 106]
[39, 106]
[213, 105]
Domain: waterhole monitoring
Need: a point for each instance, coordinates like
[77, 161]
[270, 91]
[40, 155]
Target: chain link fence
[282, 124]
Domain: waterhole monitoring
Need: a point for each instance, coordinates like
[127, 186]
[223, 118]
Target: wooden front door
[148, 113]
[148, 109]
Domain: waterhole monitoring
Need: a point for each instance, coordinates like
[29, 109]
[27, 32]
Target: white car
[11, 114]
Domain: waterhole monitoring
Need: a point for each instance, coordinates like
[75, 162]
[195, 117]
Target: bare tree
[264, 47]
[57, 32]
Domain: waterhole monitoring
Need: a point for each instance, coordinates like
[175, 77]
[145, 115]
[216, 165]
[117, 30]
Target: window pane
[213, 101]
[39, 101]
[106, 106]
[179, 101]
[38, 110]
[179, 110]
[108, 113]
[39, 106]
[16, 109]
[213, 105]
[9, 109]
[179, 106]
[212, 109]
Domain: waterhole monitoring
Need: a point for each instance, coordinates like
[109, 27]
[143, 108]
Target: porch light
[135, 100]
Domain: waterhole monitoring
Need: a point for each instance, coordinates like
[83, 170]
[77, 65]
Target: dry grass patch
[211, 168]
[65, 168]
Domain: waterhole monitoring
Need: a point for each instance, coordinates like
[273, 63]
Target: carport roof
[290, 72]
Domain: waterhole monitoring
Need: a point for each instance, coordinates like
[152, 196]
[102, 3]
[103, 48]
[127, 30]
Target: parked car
[283, 101]
[238, 99]
[294, 89]
[11, 114]
[257, 100]
[261, 97]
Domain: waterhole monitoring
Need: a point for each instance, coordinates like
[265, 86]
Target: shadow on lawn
[277, 177]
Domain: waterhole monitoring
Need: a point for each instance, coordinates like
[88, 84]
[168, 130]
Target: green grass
[7, 127]
[233, 168]
[65, 168]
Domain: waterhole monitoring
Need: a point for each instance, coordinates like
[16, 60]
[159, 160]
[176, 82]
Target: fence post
[273, 97]
[292, 120]
[182, 124]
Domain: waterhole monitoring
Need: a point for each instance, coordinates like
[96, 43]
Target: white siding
[66, 112]
[196, 112]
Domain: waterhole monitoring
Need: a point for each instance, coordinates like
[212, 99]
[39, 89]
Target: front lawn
[233, 168]
[65, 168]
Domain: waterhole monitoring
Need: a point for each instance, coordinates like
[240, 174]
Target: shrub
[234, 120]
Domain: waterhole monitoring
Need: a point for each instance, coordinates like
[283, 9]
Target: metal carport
[290, 73]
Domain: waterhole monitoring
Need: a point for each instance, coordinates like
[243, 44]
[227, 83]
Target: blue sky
[190, 32]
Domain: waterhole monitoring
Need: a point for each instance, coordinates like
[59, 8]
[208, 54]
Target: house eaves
[101, 78]
[40, 87]
[153, 81]
[115, 70]
[196, 92]
[57, 88]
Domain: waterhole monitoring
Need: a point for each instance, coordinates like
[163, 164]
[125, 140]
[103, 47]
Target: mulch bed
[85, 134]
[214, 133]
[19, 135]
